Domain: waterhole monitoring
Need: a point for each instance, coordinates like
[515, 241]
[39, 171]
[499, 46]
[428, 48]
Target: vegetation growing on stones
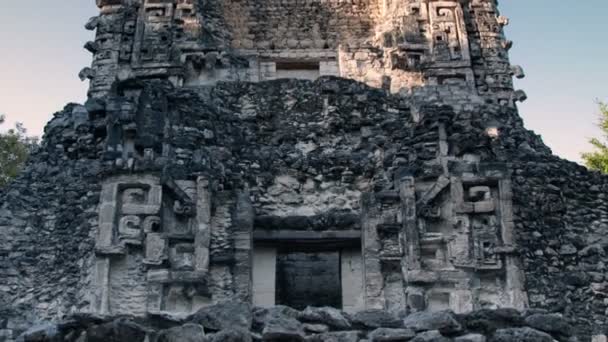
[598, 159]
[15, 147]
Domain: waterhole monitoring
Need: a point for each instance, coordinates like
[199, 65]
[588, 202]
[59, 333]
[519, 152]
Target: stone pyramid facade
[360, 155]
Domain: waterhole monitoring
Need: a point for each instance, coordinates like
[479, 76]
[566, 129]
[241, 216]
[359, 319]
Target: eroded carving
[142, 235]
[454, 241]
[389, 44]
[437, 236]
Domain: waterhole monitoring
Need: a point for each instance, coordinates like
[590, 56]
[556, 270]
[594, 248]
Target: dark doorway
[308, 278]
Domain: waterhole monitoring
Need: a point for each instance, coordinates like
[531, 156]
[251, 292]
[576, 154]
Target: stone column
[372, 269]
[104, 240]
[410, 239]
[515, 283]
[202, 235]
[101, 302]
[243, 246]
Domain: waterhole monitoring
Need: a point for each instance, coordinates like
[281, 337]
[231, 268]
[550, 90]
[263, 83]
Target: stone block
[185, 333]
[484, 207]
[326, 315]
[471, 338]
[142, 201]
[339, 336]
[388, 334]
[373, 318]
[521, 334]
[182, 256]
[443, 321]
[553, 324]
[130, 228]
[315, 328]
[156, 249]
[431, 336]
[226, 315]
[283, 328]
[158, 276]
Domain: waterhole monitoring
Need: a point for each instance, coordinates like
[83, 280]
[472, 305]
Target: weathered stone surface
[283, 328]
[279, 324]
[316, 328]
[443, 321]
[262, 315]
[230, 335]
[227, 315]
[119, 330]
[471, 338]
[525, 334]
[165, 320]
[41, 333]
[431, 336]
[389, 334]
[376, 319]
[340, 336]
[326, 315]
[553, 324]
[186, 333]
[488, 321]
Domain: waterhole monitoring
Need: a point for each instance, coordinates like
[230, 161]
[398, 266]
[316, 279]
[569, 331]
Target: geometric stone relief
[475, 239]
[445, 243]
[448, 30]
[397, 44]
[148, 231]
[453, 239]
[423, 43]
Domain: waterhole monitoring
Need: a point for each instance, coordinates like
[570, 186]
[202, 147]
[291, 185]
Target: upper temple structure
[391, 44]
[356, 155]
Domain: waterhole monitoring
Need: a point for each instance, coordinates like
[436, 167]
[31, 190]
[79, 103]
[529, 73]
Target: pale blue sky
[562, 45]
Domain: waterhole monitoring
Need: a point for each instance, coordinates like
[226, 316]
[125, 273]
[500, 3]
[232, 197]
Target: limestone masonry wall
[395, 45]
[362, 156]
[283, 128]
[234, 321]
[282, 25]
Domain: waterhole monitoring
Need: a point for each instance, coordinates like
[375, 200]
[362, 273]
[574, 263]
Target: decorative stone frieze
[358, 155]
[395, 45]
[163, 238]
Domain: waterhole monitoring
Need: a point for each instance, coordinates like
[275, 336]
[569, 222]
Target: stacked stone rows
[238, 322]
[295, 24]
[46, 218]
[47, 214]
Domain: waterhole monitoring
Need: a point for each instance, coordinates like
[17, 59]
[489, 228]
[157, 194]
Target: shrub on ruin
[15, 147]
[598, 158]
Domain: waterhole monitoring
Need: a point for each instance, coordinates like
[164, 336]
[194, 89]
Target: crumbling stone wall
[561, 223]
[396, 45]
[297, 25]
[153, 197]
[277, 137]
[239, 322]
[47, 218]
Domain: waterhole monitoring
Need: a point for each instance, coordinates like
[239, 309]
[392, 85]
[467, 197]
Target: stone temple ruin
[434, 242]
[359, 154]
[393, 45]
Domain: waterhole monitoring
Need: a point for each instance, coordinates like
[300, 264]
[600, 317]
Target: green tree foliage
[598, 159]
[15, 147]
